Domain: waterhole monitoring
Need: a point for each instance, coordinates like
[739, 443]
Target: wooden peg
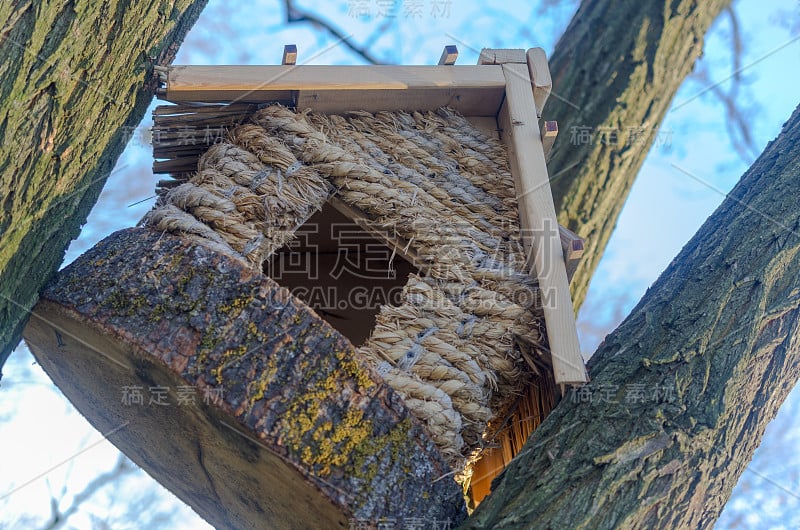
[572, 246]
[289, 54]
[540, 77]
[549, 134]
[449, 55]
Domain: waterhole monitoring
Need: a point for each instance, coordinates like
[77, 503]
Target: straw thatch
[468, 336]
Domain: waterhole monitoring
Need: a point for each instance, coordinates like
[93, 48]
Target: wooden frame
[508, 87]
[520, 129]
[473, 90]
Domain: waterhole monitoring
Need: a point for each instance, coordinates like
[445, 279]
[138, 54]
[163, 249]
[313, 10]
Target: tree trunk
[682, 391]
[75, 76]
[615, 71]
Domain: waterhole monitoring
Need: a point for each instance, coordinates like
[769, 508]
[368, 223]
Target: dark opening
[341, 271]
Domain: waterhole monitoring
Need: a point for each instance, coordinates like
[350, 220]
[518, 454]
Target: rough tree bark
[301, 433]
[615, 71]
[74, 76]
[713, 346]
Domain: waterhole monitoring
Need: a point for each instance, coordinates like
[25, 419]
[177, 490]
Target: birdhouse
[356, 275]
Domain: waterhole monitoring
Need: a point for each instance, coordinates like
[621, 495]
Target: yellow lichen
[236, 306]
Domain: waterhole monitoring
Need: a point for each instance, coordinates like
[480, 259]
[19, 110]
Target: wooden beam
[449, 55]
[501, 56]
[541, 81]
[472, 90]
[289, 54]
[520, 130]
[549, 134]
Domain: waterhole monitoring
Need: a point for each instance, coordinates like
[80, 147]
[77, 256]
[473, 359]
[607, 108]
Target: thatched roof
[467, 337]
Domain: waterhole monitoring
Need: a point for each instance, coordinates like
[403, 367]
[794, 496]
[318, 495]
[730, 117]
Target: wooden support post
[519, 123]
[289, 54]
[549, 134]
[449, 55]
[231, 392]
[540, 78]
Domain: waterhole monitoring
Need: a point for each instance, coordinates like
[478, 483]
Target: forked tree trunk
[682, 391]
[74, 76]
[615, 71]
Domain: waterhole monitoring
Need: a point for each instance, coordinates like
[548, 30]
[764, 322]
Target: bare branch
[736, 121]
[295, 14]
[58, 518]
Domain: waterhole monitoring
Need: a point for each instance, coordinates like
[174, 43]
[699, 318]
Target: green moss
[365, 456]
[53, 118]
[123, 304]
[176, 261]
[157, 313]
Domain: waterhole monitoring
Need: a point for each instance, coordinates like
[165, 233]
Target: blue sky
[663, 211]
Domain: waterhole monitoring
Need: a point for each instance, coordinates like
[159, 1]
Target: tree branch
[59, 518]
[297, 15]
[736, 123]
[712, 348]
[615, 71]
[66, 103]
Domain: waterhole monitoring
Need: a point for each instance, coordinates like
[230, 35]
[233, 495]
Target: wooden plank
[199, 108]
[549, 134]
[501, 56]
[174, 165]
[211, 79]
[541, 81]
[477, 102]
[473, 90]
[449, 55]
[289, 54]
[520, 130]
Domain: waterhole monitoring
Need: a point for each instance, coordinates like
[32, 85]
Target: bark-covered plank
[304, 433]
